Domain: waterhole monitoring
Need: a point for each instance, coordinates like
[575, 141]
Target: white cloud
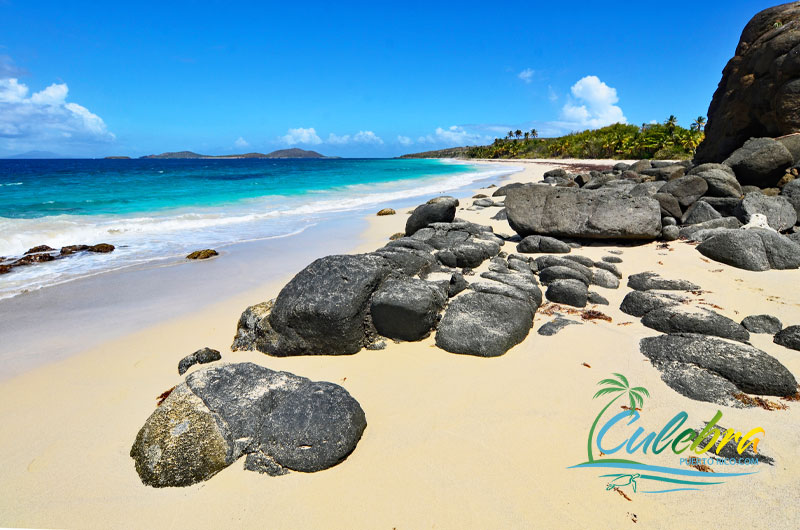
[367, 137]
[526, 75]
[301, 136]
[405, 140]
[454, 135]
[241, 142]
[551, 94]
[361, 137]
[45, 116]
[338, 140]
[593, 105]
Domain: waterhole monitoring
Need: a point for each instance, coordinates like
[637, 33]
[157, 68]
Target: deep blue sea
[154, 209]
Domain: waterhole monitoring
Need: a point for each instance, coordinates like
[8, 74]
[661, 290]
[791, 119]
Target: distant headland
[281, 153]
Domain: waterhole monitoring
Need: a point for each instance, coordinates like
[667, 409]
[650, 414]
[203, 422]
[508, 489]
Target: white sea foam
[146, 238]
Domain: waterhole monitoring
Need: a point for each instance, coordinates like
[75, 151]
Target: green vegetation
[666, 140]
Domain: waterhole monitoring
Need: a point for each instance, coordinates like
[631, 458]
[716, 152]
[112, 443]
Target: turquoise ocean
[153, 210]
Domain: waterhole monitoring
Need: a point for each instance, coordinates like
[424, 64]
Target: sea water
[153, 210]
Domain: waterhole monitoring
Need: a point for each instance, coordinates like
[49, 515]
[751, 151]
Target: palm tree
[527, 135]
[619, 386]
[510, 134]
[534, 133]
[671, 122]
[517, 133]
[699, 123]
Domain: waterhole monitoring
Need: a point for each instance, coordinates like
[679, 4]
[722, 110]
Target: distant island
[280, 153]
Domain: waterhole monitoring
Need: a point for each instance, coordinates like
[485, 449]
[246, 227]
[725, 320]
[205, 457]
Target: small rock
[40, 248]
[569, 292]
[543, 244]
[762, 324]
[645, 281]
[102, 248]
[203, 356]
[611, 259]
[788, 337]
[203, 254]
[595, 298]
[387, 211]
[670, 233]
[553, 327]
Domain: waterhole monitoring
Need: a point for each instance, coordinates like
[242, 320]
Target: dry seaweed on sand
[586, 365]
[793, 397]
[755, 401]
[702, 467]
[593, 314]
[163, 396]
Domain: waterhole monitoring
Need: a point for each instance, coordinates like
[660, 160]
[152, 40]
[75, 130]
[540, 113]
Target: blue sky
[349, 79]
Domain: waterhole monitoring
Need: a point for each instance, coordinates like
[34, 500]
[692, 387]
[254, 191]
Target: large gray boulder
[779, 212]
[441, 211]
[788, 337]
[686, 189]
[682, 319]
[692, 231]
[754, 249]
[569, 292]
[543, 244]
[757, 95]
[323, 309]
[721, 183]
[639, 303]
[282, 422]
[669, 205]
[749, 369]
[406, 308]
[484, 324]
[572, 212]
[791, 192]
[646, 281]
[699, 212]
[760, 162]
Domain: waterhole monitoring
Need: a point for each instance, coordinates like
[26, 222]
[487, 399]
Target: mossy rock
[203, 254]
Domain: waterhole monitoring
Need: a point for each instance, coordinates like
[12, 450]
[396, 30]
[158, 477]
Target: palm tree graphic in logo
[621, 387]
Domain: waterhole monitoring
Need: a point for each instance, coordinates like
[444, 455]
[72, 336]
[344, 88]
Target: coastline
[452, 441]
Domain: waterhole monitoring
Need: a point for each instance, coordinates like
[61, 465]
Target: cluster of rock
[203, 254]
[744, 225]
[702, 354]
[44, 253]
[280, 422]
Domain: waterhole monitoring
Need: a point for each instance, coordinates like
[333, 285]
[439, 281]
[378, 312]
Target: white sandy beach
[452, 441]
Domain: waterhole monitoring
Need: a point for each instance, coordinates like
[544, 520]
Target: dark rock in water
[754, 249]
[570, 292]
[550, 274]
[721, 183]
[406, 308]
[4, 269]
[554, 326]
[700, 212]
[760, 162]
[484, 324]
[762, 324]
[639, 303]
[604, 278]
[686, 189]
[670, 233]
[71, 249]
[443, 211]
[572, 212]
[279, 420]
[102, 248]
[726, 206]
[595, 298]
[503, 190]
[40, 248]
[645, 281]
[749, 369]
[681, 319]
[323, 309]
[779, 212]
[203, 254]
[788, 337]
[669, 205]
[502, 215]
[610, 267]
[534, 244]
[30, 259]
[757, 93]
[203, 356]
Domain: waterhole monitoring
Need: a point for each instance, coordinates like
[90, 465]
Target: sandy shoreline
[452, 441]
